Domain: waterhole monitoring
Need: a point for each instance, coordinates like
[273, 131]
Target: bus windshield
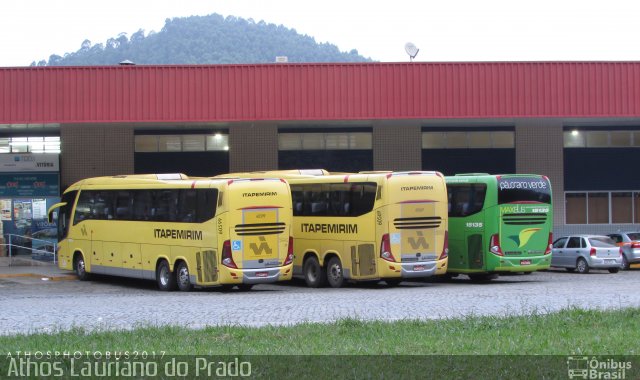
[524, 189]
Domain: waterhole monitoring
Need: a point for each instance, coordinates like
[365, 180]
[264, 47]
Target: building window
[325, 141]
[615, 207]
[181, 143]
[601, 139]
[32, 144]
[468, 140]
[621, 207]
[576, 208]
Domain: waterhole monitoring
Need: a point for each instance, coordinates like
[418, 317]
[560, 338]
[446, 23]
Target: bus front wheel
[165, 279]
[335, 275]
[80, 267]
[314, 274]
[182, 277]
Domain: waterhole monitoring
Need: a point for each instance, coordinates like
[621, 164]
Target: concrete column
[539, 150]
[253, 147]
[397, 146]
[95, 150]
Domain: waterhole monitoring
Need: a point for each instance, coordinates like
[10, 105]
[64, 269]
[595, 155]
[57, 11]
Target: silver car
[584, 252]
[630, 243]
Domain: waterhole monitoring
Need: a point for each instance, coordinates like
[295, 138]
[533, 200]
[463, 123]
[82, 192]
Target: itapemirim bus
[177, 231]
[368, 226]
[499, 223]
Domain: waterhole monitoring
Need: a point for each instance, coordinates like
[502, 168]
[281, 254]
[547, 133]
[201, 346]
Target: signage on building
[29, 185]
[41, 162]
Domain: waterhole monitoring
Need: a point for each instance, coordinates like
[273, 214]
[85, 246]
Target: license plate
[609, 261]
[525, 262]
[418, 267]
[262, 274]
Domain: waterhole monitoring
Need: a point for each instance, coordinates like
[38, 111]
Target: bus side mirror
[54, 208]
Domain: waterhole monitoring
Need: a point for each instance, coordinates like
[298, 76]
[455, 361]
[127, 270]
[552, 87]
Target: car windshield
[634, 236]
[602, 242]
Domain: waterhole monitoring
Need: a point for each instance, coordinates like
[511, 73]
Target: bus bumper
[417, 269]
[256, 276]
[523, 264]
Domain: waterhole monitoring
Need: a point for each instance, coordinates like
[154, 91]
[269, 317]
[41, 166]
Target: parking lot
[29, 304]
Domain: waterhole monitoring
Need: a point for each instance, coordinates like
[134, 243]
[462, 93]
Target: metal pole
[10, 246]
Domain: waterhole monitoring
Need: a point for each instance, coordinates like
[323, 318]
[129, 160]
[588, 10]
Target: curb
[62, 277]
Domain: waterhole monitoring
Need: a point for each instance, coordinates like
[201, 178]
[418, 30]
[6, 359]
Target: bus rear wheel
[482, 277]
[80, 267]
[335, 275]
[245, 287]
[392, 282]
[314, 275]
[182, 277]
[164, 278]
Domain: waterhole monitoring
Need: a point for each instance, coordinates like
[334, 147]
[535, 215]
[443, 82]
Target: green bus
[499, 223]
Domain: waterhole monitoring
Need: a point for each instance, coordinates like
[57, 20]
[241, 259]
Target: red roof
[360, 91]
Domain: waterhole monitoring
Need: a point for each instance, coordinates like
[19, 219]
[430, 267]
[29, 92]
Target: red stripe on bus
[258, 207]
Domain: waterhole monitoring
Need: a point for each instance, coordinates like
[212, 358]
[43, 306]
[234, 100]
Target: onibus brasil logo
[584, 367]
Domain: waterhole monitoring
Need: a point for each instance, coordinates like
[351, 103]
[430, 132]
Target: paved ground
[32, 304]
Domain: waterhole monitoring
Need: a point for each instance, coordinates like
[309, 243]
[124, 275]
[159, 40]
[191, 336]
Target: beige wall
[95, 150]
[253, 147]
[397, 146]
[539, 150]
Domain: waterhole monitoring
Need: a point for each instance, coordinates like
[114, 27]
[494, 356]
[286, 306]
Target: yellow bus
[386, 226]
[178, 231]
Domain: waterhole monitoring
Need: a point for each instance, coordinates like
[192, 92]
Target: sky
[443, 30]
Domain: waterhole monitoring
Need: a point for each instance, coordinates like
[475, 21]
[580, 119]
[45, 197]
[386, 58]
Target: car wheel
[164, 278]
[625, 263]
[335, 275]
[582, 266]
[80, 268]
[314, 275]
[182, 277]
[614, 270]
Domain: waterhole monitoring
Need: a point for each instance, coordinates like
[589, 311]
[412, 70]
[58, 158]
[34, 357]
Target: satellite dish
[411, 49]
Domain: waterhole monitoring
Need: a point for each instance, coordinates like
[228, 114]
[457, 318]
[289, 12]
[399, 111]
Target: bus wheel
[335, 276]
[482, 277]
[393, 282]
[582, 266]
[245, 287]
[314, 274]
[165, 279]
[182, 277]
[80, 268]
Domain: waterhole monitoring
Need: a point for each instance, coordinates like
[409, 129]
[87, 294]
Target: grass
[569, 332]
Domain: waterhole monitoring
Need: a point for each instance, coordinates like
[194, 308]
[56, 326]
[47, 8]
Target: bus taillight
[494, 245]
[289, 258]
[445, 247]
[227, 258]
[549, 244]
[385, 249]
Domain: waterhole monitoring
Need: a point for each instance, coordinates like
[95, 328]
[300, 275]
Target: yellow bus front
[255, 229]
[413, 225]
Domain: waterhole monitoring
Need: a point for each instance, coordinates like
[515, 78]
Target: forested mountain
[211, 39]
